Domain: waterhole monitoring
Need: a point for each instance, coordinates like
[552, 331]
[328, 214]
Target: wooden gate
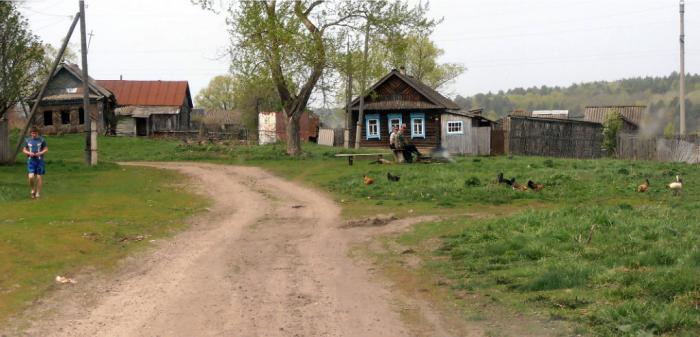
[498, 138]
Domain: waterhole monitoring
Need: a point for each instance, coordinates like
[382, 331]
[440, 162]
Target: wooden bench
[351, 156]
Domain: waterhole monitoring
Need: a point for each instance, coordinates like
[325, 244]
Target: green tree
[220, 94]
[21, 54]
[611, 127]
[420, 56]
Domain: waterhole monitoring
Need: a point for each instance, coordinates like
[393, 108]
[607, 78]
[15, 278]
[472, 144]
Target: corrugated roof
[438, 100]
[149, 93]
[631, 113]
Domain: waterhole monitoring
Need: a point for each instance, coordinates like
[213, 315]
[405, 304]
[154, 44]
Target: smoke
[654, 122]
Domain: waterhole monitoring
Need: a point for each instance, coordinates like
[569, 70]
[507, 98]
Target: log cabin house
[432, 119]
[61, 109]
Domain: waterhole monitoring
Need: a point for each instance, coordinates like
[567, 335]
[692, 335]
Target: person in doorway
[408, 148]
[35, 148]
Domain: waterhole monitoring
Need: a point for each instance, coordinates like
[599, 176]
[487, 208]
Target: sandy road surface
[269, 259]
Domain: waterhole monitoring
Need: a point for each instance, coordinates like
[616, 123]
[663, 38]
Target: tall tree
[219, 94]
[21, 54]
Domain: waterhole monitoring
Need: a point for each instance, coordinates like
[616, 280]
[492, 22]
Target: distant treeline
[660, 94]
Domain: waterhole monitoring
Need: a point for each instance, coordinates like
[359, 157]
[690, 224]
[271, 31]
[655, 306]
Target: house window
[81, 116]
[455, 127]
[417, 125]
[65, 117]
[48, 117]
[372, 126]
[395, 120]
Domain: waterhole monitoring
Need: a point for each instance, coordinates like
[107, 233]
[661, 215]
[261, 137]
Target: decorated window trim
[391, 117]
[377, 133]
[417, 133]
[455, 127]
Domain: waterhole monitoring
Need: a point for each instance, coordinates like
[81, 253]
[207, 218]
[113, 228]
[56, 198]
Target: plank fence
[554, 138]
[676, 149]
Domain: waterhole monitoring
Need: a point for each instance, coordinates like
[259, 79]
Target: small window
[65, 117]
[81, 116]
[395, 120]
[455, 127]
[372, 126]
[48, 117]
[71, 90]
[417, 125]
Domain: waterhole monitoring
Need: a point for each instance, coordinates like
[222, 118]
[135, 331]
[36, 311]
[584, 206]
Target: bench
[351, 156]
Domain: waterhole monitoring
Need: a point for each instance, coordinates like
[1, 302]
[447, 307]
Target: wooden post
[40, 96]
[91, 127]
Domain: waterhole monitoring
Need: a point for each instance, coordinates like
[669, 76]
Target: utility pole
[348, 99]
[682, 100]
[91, 122]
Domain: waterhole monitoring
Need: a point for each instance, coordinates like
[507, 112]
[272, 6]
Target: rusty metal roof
[631, 113]
[149, 93]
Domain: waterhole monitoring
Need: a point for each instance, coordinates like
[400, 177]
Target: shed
[61, 109]
[272, 127]
[631, 115]
[433, 119]
[145, 107]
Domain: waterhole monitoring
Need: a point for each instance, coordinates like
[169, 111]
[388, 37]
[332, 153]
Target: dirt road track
[257, 264]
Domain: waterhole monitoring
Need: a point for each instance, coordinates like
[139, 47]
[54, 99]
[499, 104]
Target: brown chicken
[518, 187]
[368, 180]
[535, 186]
[643, 187]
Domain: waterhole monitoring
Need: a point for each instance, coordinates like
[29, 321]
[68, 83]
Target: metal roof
[630, 113]
[149, 93]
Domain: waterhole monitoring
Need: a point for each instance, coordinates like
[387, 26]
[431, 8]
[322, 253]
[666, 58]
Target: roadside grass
[86, 218]
[637, 275]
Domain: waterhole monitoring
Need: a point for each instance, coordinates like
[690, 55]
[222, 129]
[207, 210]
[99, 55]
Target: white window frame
[455, 123]
[377, 133]
[391, 117]
[417, 133]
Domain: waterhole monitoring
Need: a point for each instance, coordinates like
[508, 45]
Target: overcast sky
[503, 43]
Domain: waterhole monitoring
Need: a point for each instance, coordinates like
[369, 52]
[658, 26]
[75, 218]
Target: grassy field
[587, 249]
[87, 217]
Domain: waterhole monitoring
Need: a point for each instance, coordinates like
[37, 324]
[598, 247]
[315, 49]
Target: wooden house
[61, 109]
[146, 107]
[272, 127]
[432, 119]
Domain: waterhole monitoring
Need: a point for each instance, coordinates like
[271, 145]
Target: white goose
[676, 186]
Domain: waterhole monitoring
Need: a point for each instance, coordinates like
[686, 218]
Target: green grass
[638, 274]
[87, 217]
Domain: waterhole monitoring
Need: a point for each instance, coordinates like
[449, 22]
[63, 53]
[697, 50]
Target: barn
[433, 119]
[145, 107]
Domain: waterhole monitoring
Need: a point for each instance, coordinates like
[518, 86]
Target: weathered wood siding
[481, 141]
[126, 126]
[633, 147]
[498, 142]
[5, 151]
[457, 143]
[326, 137]
[554, 137]
[432, 129]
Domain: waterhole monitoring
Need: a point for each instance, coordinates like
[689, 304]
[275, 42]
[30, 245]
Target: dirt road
[268, 259]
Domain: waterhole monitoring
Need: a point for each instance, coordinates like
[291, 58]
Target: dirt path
[269, 259]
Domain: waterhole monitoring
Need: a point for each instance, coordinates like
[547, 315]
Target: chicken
[368, 180]
[518, 187]
[535, 186]
[508, 182]
[676, 186]
[643, 187]
[392, 177]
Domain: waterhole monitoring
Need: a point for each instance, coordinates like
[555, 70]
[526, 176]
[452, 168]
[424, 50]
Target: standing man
[35, 148]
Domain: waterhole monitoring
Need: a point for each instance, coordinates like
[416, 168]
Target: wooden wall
[554, 138]
[633, 147]
[432, 129]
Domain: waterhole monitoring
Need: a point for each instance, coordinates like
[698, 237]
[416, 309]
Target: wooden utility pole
[363, 85]
[40, 96]
[348, 99]
[682, 77]
[91, 127]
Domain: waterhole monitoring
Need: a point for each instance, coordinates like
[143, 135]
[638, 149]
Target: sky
[503, 43]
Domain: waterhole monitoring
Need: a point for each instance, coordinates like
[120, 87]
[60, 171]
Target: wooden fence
[554, 138]
[679, 149]
[326, 137]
